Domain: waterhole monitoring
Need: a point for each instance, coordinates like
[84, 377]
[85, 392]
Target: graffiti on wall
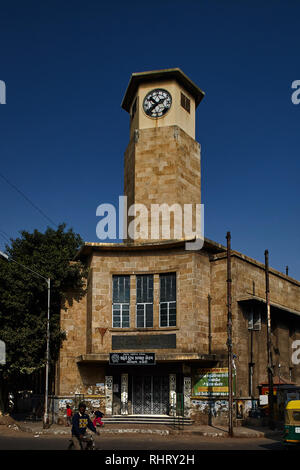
[212, 407]
[62, 403]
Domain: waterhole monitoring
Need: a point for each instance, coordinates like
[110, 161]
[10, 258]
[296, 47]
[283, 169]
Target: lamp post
[46, 418]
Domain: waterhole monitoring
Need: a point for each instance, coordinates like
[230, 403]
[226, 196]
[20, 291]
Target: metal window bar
[121, 289]
[144, 300]
[121, 319]
[167, 322]
[121, 301]
[144, 318]
[144, 288]
[167, 307]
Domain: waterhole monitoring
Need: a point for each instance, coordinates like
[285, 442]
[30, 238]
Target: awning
[277, 381]
[255, 298]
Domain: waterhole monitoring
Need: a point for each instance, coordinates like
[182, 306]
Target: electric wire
[28, 200]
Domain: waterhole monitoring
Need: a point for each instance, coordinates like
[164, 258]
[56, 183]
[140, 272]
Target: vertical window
[144, 301]
[121, 301]
[185, 103]
[254, 320]
[167, 305]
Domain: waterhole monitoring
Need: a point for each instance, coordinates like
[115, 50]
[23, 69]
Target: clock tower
[162, 160]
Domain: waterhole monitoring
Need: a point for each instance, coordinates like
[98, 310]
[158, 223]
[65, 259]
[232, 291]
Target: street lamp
[46, 419]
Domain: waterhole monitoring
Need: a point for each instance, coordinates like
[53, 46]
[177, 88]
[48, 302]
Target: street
[17, 440]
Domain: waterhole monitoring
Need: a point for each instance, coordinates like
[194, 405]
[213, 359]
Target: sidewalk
[36, 428]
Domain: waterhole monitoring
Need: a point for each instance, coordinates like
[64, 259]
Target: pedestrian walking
[97, 421]
[69, 416]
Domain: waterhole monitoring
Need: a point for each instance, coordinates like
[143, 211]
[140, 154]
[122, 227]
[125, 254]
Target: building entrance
[150, 394]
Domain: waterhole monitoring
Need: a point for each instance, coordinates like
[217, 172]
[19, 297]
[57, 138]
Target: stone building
[150, 335]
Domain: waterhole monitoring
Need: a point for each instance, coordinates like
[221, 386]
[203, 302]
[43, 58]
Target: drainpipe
[209, 324]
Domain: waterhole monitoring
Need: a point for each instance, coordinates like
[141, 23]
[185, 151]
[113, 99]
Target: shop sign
[212, 382]
[139, 359]
[265, 391]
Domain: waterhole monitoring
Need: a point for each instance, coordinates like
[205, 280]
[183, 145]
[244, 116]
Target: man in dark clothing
[80, 422]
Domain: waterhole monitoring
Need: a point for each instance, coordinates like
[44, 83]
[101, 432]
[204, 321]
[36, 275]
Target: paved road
[16, 440]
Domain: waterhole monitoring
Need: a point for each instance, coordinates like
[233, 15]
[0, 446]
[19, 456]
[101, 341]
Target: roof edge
[159, 75]
[89, 247]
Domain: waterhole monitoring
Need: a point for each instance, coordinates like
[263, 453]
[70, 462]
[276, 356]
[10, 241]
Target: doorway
[150, 394]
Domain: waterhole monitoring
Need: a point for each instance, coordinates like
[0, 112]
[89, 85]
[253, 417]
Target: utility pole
[229, 336]
[269, 344]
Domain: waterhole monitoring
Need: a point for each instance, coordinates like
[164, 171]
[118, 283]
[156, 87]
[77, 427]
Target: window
[185, 103]
[254, 320]
[144, 301]
[121, 302]
[167, 306]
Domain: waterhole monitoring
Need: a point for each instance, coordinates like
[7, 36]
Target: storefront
[142, 384]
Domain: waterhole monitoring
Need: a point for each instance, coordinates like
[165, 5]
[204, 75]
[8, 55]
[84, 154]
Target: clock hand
[152, 104]
[152, 100]
[157, 103]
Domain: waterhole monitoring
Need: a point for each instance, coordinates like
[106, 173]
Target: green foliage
[23, 296]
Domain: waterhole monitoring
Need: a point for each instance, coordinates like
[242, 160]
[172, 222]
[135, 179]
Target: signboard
[139, 359]
[212, 382]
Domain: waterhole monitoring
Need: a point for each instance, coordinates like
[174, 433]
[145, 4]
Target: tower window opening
[185, 103]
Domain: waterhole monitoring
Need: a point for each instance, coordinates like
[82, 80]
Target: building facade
[150, 335]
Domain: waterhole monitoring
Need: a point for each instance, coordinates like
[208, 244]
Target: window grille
[144, 301]
[167, 306]
[121, 302]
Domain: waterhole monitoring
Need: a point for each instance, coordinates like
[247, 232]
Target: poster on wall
[100, 388]
[212, 382]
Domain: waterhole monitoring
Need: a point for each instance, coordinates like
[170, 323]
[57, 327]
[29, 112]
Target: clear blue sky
[66, 65]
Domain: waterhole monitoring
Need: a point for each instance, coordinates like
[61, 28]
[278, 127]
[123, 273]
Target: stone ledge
[254, 262]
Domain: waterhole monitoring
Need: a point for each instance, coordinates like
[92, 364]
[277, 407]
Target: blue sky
[66, 65]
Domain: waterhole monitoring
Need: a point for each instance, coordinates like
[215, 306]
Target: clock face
[157, 103]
